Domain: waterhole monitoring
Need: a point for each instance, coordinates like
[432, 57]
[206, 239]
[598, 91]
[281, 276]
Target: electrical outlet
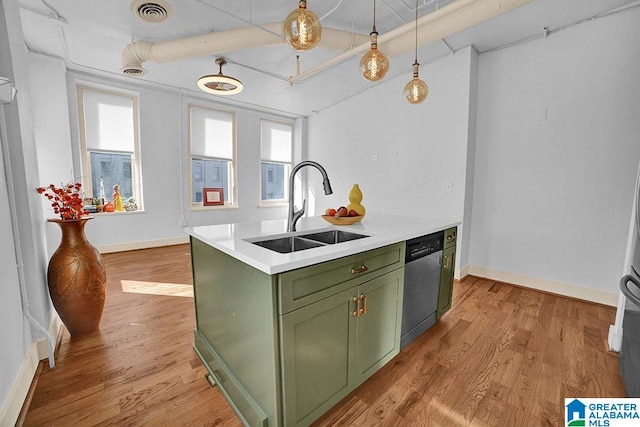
[447, 187]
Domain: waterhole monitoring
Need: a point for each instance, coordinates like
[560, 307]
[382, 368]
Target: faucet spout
[294, 215]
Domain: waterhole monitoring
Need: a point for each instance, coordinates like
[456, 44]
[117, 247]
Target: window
[212, 153]
[109, 140]
[276, 142]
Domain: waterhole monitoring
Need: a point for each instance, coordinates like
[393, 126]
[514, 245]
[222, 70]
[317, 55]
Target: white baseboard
[132, 246]
[11, 407]
[10, 410]
[54, 331]
[461, 273]
[614, 339]
[566, 289]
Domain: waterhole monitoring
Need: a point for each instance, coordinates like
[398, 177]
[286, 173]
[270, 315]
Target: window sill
[278, 204]
[211, 208]
[107, 214]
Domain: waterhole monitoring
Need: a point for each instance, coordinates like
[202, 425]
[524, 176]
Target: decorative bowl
[342, 220]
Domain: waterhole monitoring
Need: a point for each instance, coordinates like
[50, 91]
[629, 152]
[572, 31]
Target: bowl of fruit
[341, 216]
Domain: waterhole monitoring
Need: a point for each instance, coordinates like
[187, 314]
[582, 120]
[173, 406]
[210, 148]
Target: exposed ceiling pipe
[443, 22]
[450, 19]
[214, 43]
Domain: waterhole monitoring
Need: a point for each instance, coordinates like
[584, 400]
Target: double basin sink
[316, 239]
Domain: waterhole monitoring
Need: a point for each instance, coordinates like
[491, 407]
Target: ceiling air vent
[151, 11]
[133, 71]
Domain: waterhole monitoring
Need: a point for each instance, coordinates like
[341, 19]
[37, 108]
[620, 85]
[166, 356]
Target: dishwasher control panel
[423, 246]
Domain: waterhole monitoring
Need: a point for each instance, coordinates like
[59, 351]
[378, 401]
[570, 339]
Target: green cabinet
[448, 268]
[331, 346]
[285, 348]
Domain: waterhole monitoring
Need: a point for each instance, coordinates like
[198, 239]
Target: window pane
[113, 168]
[211, 133]
[108, 121]
[273, 181]
[276, 141]
[209, 173]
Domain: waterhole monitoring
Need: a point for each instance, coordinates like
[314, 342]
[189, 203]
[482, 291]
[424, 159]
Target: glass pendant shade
[374, 64]
[416, 90]
[302, 29]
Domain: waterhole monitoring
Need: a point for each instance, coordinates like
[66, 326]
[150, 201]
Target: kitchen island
[287, 335]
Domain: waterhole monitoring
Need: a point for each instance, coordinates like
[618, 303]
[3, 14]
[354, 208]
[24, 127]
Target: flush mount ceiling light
[416, 90]
[219, 84]
[374, 64]
[302, 29]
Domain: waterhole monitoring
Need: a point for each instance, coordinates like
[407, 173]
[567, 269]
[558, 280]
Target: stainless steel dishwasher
[423, 261]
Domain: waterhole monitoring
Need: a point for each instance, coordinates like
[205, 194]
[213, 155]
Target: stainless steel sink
[300, 242]
[287, 245]
[334, 236]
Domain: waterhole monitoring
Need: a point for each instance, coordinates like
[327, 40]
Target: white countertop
[382, 229]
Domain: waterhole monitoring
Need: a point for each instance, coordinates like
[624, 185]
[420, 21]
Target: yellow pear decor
[355, 197]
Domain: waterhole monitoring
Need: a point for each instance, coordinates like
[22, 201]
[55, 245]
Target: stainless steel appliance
[423, 261]
[630, 286]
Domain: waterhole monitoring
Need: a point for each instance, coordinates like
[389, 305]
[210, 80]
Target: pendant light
[416, 90]
[219, 84]
[374, 64]
[302, 29]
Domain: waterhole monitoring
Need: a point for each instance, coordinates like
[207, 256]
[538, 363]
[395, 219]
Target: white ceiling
[91, 34]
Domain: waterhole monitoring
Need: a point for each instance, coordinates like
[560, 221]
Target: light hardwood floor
[502, 356]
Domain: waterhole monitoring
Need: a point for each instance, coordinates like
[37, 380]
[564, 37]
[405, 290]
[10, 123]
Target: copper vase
[77, 279]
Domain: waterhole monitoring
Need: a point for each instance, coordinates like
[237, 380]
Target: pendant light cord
[416, 58]
[374, 17]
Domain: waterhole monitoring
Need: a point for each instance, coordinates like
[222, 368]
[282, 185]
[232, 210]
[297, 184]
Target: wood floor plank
[502, 356]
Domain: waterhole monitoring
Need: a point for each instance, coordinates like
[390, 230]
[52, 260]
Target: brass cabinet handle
[362, 269]
[445, 262]
[364, 303]
[357, 312]
[451, 237]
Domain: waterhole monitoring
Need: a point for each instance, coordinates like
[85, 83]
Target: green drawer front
[450, 235]
[310, 284]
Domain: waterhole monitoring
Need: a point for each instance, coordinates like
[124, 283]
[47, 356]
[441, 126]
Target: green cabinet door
[446, 280]
[379, 324]
[330, 347]
[317, 357]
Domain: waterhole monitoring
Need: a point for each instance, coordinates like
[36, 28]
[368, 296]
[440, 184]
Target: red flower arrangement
[66, 200]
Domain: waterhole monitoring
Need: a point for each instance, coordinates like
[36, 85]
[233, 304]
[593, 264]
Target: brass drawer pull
[451, 237]
[357, 312]
[362, 269]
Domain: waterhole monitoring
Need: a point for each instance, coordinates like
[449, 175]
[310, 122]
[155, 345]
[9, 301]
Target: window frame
[85, 152]
[233, 198]
[275, 202]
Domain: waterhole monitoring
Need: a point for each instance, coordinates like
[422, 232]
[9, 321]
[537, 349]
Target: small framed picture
[212, 197]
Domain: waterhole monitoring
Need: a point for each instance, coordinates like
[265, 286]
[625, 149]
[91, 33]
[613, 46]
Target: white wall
[418, 147]
[557, 152]
[14, 332]
[164, 157]
[48, 92]
[17, 190]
